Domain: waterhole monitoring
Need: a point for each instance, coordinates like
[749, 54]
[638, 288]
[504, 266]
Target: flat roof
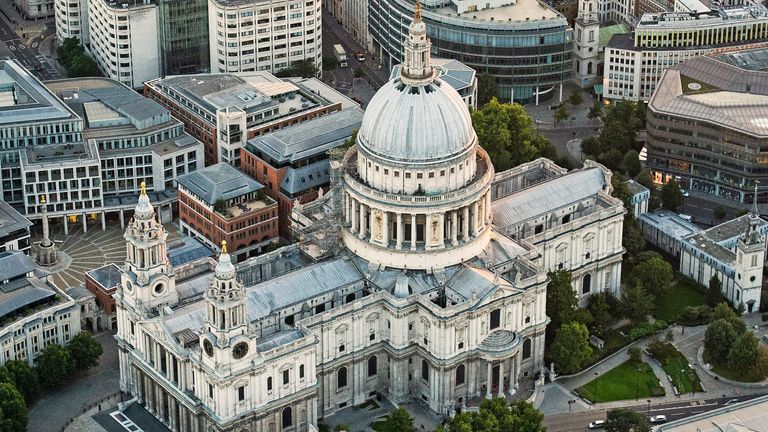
[519, 11]
[11, 220]
[754, 60]
[108, 276]
[669, 223]
[25, 99]
[218, 182]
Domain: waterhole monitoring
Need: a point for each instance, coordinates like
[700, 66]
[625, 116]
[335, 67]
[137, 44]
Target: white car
[597, 424]
[658, 419]
[685, 194]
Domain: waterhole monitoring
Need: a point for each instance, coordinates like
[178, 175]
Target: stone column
[385, 229]
[362, 221]
[465, 224]
[346, 208]
[441, 230]
[488, 212]
[489, 381]
[66, 225]
[103, 221]
[474, 227]
[354, 217]
[454, 227]
[85, 223]
[399, 228]
[501, 379]
[413, 231]
[122, 219]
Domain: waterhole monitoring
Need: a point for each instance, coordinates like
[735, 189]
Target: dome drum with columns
[417, 181]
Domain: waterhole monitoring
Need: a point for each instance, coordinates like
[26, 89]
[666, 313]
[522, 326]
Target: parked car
[597, 424]
[658, 419]
[360, 56]
[683, 191]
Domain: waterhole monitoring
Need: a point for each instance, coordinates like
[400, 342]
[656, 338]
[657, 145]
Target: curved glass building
[525, 44]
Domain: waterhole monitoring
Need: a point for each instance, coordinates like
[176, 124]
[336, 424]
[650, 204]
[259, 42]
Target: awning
[598, 89]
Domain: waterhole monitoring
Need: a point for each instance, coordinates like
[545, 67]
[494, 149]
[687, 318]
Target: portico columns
[488, 213]
[475, 225]
[362, 220]
[346, 208]
[354, 218]
[413, 232]
[465, 224]
[399, 228]
[501, 379]
[489, 381]
[385, 229]
[454, 227]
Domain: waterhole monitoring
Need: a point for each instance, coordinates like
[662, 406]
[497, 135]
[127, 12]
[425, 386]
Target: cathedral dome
[416, 117]
[416, 123]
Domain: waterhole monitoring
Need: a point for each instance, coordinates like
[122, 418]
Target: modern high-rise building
[634, 62]
[183, 31]
[264, 35]
[526, 45]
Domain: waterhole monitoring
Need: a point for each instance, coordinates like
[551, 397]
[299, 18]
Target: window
[495, 318]
[526, 349]
[210, 390]
[341, 378]
[460, 372]
[287, 417]
[286, 376]
[539, 228]
[269, 384]
[301, 371]
[424, 370]
[241, 393]
[586, 284]
[372, 366]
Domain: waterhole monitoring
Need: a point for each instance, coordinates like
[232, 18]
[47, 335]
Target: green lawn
[623, 382]
[724, 371]
[681, 294]
[683, 377]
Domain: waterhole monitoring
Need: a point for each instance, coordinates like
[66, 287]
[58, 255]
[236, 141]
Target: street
[577, 422]
[26, 54]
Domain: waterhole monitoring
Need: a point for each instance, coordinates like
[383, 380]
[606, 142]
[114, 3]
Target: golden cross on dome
[223, 246]
[143, 187]
[417, 12]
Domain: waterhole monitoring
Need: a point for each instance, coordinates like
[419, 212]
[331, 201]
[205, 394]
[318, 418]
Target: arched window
[526, 349]
[495, 318]
[350, 298]
[287, 417]
[424, 370]
[373, 366]
[460, 372]
[341, 378]
[586, 284]
[269, 384]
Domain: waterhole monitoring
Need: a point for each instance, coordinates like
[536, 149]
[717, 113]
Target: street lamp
[595, 386]
[649, 408]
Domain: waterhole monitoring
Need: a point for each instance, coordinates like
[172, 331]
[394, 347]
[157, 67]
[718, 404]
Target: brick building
[221, 203]
[103, 282]
[241, 106]
[293, 163]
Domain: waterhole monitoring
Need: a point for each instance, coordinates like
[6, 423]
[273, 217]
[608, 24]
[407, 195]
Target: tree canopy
[13, 410]
[495, 415]
[54, 366]
[636, 302]
[397, 421]
[508, 134]
[84, 351]
[621, 121]
[487, 89]
[671, 195]
[718, 339]
[654, 273]
[303, 68]
[72, 55]
[561, 298]
[626, 420]
[24, 378]
[714, 295]
[571, 349]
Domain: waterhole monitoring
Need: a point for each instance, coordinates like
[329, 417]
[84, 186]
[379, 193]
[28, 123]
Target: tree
[635, 355]
[633, 239]
[54, 366]
[575, 98]
[561, 298]
[744, 353]
[13, 410]
[600, 306]
[635, 301]
[349, 142]
[726, 312]
[718, 339]
[359, 72]
[24, 378]
[654, 273]
[714, 296]
[85, 351]
[571, 349]
[508, 134]
[398, 420]
[719, 212]
[596, 111]
[626, 420]
[561, 114]
[330, 63]
[495, 415]
[671, 196]
[487, 89]
[632, 166]
[304, 68]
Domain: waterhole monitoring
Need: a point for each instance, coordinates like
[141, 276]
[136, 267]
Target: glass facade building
[184, 36]
[526, 46]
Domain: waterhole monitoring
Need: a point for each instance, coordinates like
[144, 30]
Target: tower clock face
[240, 350]
[208, 347]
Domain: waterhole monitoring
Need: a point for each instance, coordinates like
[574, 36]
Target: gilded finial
[417, 12]
[143, 187]
[223, 247]
[42, 199]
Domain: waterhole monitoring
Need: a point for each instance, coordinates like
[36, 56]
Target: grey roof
[108, 276]
[297, 180]
[709, 247]
[194, 286]
[220, 181]
[25, 293]
[14, 264]
[740, 103]
[548, 196]
[636, 188]
[79, 292]
[669, 223]
[309, 138]
[34, 102]
[416, 124]
[453, 72]
[278, 339]
[185, 250]
[755, 60]
[11, 220]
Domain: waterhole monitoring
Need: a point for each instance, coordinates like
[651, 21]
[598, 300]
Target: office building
[14, 229]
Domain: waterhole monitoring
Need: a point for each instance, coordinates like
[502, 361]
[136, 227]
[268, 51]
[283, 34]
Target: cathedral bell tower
[226, 339]
[417, 68]
[750, 258]
[586, 35]
[148, 281]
